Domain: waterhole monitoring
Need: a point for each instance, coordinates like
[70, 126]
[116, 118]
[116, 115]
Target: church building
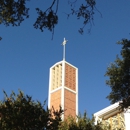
[112, 116]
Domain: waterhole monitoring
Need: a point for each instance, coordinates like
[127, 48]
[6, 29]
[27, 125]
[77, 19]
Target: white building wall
[110, 111]
[127, 119]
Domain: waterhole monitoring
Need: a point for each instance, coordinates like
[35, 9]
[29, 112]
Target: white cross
[64, 42]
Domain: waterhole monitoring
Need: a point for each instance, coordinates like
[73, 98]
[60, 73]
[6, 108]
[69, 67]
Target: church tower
[63, 87]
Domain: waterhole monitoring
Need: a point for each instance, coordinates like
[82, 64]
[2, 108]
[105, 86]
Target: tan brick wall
[70, 77]
[55, 100]
[56, 79]
[70, 104]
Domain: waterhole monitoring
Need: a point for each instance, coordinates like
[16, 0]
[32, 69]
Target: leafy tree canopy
[14, 12]
[119, 76]
[20, 112]
[80, 123]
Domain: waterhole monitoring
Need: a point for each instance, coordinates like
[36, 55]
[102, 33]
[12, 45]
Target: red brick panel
[70, 77]
[70, 104]
[69, 112]
[55, 100]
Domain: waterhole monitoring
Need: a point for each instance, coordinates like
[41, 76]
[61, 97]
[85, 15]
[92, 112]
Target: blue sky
[26, 54]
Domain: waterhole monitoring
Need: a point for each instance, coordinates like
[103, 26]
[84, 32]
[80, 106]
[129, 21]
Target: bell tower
[63, 87]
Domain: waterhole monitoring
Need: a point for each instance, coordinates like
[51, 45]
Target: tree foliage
[119, 76]
[14, 12]
[80, 123]
[85, 11]
[20, 112]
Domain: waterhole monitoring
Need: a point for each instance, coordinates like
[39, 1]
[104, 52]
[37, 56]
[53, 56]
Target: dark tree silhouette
[20, 112]
[14, 12]
[119, 76]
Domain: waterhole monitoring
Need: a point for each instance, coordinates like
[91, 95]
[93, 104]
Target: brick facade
[63, 88]
[69, 103]
[70, 77]
[56, 99]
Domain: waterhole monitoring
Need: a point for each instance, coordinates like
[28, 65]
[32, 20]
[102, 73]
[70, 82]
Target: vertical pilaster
[63, 83]
[50, 84]
[77, 92]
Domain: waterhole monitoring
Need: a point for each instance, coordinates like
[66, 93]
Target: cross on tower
[64, 42]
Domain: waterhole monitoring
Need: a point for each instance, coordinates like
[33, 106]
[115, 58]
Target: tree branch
[47, 19]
